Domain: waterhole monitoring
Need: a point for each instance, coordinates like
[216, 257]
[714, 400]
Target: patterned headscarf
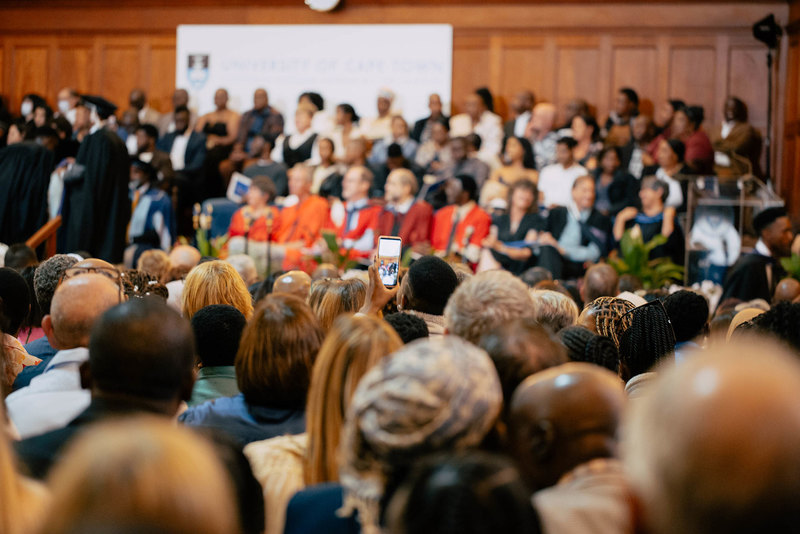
[435, 394]
[608, 316]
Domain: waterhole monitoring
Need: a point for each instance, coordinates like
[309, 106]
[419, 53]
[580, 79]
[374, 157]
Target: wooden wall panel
[29, 71]
[636, 67]
[748, 80]
[692, 77]
[521, 69]
[162, 85]
[579, 74]
[75, 68]
[120, 71]
[473, 57]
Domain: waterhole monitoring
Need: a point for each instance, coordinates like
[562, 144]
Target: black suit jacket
[508, 128]
[195, 149]
[416, 132]
[596, 229]
[747, 279]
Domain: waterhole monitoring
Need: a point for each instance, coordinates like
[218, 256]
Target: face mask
[63, 106]
[26, 108]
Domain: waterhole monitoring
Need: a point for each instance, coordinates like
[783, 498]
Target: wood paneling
[692, 77]
[747, 79]
[29, 71]
[74, 67]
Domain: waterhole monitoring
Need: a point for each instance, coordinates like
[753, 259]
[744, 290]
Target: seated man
[404, 216]
[152, 220]
[425, 290]
[217, 331]
[265, 166]
[301, 221]
[255, 224]
[555, 181]
[55, 397]
[356, 230]
[399, 135]
[755, 274]
[653, 219]
[146, 137]
[262, 120]
[460, 228]
[576, 234]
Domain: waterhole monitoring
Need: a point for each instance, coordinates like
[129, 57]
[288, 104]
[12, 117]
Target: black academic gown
[97, 208]
[25, 170]
[747, 279]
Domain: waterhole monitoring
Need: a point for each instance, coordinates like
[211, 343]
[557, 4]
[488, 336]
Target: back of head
[15, 300]
[217, 332]
[77, 304]
[520, 348]
[484, 302]
[388, 428]
[688, 312]
[601, 280]
[534, 275]
[466, 493]
[47, 276]
[331, 298]
[141, 471]
[553, 309]
[715, 445]
[647, 340]
[245, 266]
[585, 346]
[154, 262]
[297, 283]
[429, 282]
[215, 282]
[19, 255]
[276, 353]
[184, 256]
[408, 327]
[352, 347]
[563, 417]
[142, 349]
[781, 322]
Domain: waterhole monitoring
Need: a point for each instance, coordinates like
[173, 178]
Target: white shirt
[489, 128]
[132, 143]
[675, 195]
[520, 123]
[295, 140]
[53, 398]
[555, 183]
[177, 154]
[367, 241]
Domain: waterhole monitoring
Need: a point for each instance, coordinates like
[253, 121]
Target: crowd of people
[511, 381]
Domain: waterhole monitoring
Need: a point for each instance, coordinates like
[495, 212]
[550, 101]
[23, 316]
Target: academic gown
[96, 203]
[747, 279]
[24, 177]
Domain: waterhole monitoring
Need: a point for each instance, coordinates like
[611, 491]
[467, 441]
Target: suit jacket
[419, 126]
[413, 227]
[596, 229]
[747, 279]
[195, 149]
[743, 140]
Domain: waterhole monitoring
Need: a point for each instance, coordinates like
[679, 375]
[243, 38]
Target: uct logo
[198, 70]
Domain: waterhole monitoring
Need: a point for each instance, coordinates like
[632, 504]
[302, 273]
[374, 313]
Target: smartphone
[389, 249]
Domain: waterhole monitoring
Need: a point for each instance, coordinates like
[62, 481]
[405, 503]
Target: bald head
[295, 283]
[563, 417]
[715, 445]
[601, 280]
[77, 303]
[787, 290]
[184, 256]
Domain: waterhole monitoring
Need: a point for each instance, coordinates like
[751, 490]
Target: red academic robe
[477, 221]
[414, 226]
[367, 220]
[302, 222]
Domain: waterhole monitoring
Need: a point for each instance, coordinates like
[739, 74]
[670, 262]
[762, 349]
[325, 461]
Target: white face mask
[63, 106]
[26, 108]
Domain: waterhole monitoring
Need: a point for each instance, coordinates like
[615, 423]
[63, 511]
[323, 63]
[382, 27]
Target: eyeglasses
[109, 272]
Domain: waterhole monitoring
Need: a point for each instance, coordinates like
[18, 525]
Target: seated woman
[256, 223]
[653, 219]
[327, 176]
[331, 298]
[521, 224]
[221, 128]
[518, 164]
[273, 371]
[214, 282]
[286, 464]
[687, 126]
[615, 187]
[671, 167]
[434, 155]
[347, 128]
[587, 133]
[576, 234]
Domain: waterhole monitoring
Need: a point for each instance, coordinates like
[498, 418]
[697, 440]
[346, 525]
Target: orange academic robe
[302, 222]
[476, 221]
[367, 220]
[256, 230]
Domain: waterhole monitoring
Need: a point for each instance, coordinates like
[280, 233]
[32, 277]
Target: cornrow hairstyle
[584, 346]
[609, 316]
[647, 340]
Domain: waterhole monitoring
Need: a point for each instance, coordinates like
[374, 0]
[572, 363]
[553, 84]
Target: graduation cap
[100, 105]
[766, 217]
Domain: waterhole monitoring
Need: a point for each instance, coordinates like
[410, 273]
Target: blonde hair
[353, 346]
[553, 310]
[331, 298]
[215, 282]
[141, 471]
[155, 262]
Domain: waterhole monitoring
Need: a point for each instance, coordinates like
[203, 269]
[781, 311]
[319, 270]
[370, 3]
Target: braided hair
[609, 316]
[647, 340]
[584, 346]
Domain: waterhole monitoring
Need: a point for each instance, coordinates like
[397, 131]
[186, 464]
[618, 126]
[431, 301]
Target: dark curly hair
[584, 346]
[782, 321]
[408, 327]
[688, 312]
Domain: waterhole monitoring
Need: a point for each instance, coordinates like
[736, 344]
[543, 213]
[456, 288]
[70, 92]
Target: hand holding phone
[389, 249]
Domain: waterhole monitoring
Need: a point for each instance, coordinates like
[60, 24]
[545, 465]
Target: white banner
[344, 63]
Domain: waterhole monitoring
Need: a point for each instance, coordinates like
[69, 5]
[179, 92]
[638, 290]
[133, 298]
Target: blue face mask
[63, 106]
[26, 108]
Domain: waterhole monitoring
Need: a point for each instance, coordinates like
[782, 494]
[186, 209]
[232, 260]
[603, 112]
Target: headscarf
[435, 394]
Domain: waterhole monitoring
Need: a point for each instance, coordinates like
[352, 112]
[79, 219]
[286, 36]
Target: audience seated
[616, 188]
[246, 267]
[15, 301]
[646, 341]
[586, 133]
[286, 464]
[153, 223]
[149, 371]
[618, 125]
[688, 312]
[217, 330]
[542, 134]
[737, 144]
[408, 327]
[435, 155]
[296, 283]
[480, 119]
[563, 435]
[398, 135]
[330, 298]
[327, 174]
[273, 370]
[423, 128]
[425, 290]
[379, 127]
[553, 310]
[518, 164]
[54, 398]
[403, 215]
[461, 163]
[556, 180]
[671, 168]
[154, 262]
[256, 223]
[583, 345]
[261, 121]
[687, 126]
[356, 230]
[265, 166]
[600, 280]
[521, 109]
[215, 282]
[635, 155]
[301, 146]
[346, 128]
[459, 229]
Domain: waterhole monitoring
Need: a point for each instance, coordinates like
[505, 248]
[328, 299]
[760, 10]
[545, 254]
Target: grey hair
[46, 277]
[553, 310]
[485, 302]
[245, 266]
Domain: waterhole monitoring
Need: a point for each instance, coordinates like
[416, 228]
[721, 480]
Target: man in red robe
[403, 215]
[460, 227]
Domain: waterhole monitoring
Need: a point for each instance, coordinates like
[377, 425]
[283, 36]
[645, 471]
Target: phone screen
[389, 249]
